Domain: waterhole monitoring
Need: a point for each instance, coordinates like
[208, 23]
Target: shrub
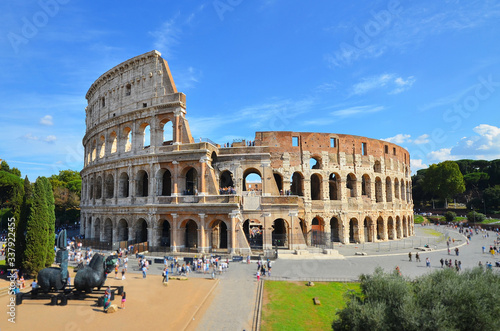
[475, 217]
[450, 216]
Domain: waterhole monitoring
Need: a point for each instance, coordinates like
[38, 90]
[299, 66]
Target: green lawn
[290, 306]
[432, 232]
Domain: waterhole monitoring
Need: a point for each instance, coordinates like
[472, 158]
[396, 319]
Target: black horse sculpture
[94, 275]
[53, 277]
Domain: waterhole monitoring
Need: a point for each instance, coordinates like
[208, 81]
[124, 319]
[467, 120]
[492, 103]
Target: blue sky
[424, 75]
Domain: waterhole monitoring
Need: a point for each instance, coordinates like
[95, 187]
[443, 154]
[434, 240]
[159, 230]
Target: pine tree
[35, 253]
[51, 221]
[22, 222]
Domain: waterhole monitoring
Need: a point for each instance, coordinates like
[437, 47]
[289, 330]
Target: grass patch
[432, 232]
[419, 219]
[290, 306]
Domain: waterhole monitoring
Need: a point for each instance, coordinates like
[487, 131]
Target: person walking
[123, 274]
[427, 262]
[144, 270]
[442, 262]
[409, 256]
[124, 298]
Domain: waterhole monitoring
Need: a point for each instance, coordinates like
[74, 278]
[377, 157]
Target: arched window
[191, 182]
[102, 147]
[146, 135]
[403, 190]
[98, 194]
[351, 185]
[127, 138]
[123, 186]
[226, 182]
[396, 188]
[142, 189]
[388, 189]
[377, 167]
[279, 182]
[114, 142]
[167, 132]
[166, 183]
[94, 150]
[314, 163]
[366, 188]
[335, 229]
[110, 186]
[315, 187]
[297, 184]
[334, 185]
[252, 180]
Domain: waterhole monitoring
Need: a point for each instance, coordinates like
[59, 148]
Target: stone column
[116, 186]
[202, 242]
[175, 179]
[176, 135]
[268, 232]
[234, 219]
[174, 241]
[291, 240]
[203, 188]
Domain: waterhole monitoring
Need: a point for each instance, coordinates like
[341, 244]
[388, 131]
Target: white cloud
[30, 136]
[47, 120]
[188, 79]
[399, 139]
[166, 37]
[423, 139]
[50, 138]
[395, 83]
[440, 155]
[486, 143]
[417, 164]
[347, 112]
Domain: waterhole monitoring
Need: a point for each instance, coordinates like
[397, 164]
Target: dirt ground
[150, 304]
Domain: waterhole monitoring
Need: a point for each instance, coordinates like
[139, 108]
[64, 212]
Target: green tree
[444, 180]
[51, 235]
[441, 300]
[491, 197]
[475, 217]
[37, 230]
[22, 222]
[450, 216]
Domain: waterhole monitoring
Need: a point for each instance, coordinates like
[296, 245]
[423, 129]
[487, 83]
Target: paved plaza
[228, 302]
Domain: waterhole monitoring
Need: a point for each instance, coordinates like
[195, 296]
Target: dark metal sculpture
[94, 275]
[53, 277]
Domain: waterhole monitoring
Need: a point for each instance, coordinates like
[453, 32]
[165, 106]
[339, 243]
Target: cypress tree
[51, 221]
[22, 222]
[35, 253]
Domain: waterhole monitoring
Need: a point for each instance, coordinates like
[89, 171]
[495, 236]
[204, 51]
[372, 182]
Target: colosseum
[145, 179]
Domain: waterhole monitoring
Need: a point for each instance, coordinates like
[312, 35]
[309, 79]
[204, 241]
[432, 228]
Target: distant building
[146, 179]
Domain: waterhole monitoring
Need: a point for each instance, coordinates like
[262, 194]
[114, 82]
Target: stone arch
[280, 233]
[396, 188]
[127, 139]
[297, 184]
[219, 238]
[354, 230]
[123, 185]
[142, 186]
[110, 186]
[141, 230]
[108, 231]
[335, 229]
[97, 228]
[226, 179]
[278, 179]
[405, 227]
[165, 233]
[366, 185]
[253, 230]
[252, 183]
[191, 181]
[381, 231]
[98, 191]
[351, 185]
[122, 230]
[390, 228]
[317, 231]
[164, 182]
[190, 233]
[388, 189]
[316, 187]
[167, 132]
[114, 142]
[315, 162]
[94, 150]
[334, 186]
[102, 146]
[379, 194]
[145, 132]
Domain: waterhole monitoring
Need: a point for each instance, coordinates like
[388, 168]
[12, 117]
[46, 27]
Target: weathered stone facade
[146, 179]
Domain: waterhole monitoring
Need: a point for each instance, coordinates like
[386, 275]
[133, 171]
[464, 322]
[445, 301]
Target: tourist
[417, 257]
[34, 284]
[427, 262]
[144, 270]
[123, 274]
[124, 298]
[442, 262]
[165, 275]
[258, 275]
[409, 256]
[116, 271]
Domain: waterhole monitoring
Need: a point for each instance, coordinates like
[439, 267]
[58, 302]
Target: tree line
[475, 183]
[34, 206]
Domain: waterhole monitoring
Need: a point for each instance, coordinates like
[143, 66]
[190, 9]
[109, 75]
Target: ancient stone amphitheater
[145, 178]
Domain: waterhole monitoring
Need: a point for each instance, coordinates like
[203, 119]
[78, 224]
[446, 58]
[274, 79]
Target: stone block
[112, 309]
